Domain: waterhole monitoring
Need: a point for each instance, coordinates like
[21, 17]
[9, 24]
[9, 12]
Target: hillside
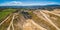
[31, 20]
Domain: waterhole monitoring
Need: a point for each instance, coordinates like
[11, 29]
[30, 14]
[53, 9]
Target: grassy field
[5, 13]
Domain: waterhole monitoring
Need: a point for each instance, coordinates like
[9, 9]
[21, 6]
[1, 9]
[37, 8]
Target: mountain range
[37, 6]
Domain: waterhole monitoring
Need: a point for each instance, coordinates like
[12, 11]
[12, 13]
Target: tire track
[35, 24]
[52, 13]
[4, 20]
[49, 20]
[11, 23]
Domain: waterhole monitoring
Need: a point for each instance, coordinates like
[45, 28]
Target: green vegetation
[5, 24]
[5, 13]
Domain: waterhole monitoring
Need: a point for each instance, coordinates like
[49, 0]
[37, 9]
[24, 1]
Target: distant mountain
[37, 6]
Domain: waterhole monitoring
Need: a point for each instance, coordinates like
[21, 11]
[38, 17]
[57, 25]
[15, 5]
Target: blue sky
[28, 2]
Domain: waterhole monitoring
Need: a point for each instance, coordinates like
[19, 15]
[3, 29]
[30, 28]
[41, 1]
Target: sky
[28, 2]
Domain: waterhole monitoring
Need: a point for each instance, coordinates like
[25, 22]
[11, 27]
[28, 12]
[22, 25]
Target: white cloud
[13, 3]
[18, 3]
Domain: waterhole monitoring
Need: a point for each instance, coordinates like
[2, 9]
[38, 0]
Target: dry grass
[41, 22]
